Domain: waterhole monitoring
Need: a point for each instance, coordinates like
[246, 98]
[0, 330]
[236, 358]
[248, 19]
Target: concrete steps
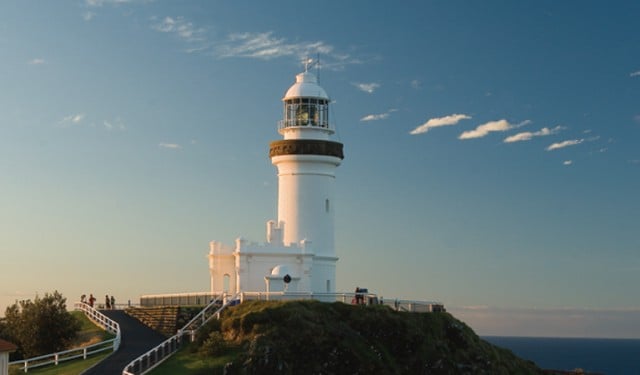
[163, 319]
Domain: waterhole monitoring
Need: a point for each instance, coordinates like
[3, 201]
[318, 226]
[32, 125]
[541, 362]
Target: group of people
[109, 302]
[358, 298]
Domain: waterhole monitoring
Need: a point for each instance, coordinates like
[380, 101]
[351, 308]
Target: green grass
[74, 367]
[89, 334]
[185, 361]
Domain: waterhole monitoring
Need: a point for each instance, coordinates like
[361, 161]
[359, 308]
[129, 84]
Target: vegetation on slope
[40, 326]
[310, 337]
[89, 334]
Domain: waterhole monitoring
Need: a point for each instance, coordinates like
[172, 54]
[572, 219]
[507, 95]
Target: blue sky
[491, 149]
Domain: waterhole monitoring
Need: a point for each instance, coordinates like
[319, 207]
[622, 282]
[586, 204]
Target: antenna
[318, 67]
[307, 62]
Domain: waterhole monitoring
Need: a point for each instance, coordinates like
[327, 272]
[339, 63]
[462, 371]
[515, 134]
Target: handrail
[84, 351]
[102, 320]
[154, 357]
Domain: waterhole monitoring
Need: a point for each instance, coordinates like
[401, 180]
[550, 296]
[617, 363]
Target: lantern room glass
[306, 112]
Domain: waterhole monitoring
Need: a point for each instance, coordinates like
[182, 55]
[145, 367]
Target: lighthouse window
[326, 205]
[306, 111]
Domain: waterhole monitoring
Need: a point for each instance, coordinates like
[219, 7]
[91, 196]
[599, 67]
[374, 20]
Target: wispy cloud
[116, 124]
[254, 45]
[439, 121]
[527, 136]
[71, 120]
[379, 116]
[563, 144]
[99, 3]
[91, 6]
[489, 127]
[415, 84]
[375, 117]
[567, 162]
[171, 146]
[635, 74]
[266, 46]
[37, 61]
[182, 28]
[369, 88]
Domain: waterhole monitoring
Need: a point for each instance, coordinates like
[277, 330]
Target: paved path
[137, 339]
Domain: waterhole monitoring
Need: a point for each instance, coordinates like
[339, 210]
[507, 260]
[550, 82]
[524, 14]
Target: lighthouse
[299, 254]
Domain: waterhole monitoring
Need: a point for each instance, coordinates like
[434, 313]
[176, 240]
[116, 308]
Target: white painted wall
[305, 199]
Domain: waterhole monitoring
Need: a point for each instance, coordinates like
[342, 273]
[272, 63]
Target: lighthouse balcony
[288, 125]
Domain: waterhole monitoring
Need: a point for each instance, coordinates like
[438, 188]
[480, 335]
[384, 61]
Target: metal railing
[81, 352]
[154, 357]
[361, 298]
[177, 299]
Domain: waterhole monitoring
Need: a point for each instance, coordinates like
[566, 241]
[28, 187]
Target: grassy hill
[310, 337]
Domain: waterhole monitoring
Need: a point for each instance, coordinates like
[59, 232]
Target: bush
[41, 326]
[214, 345]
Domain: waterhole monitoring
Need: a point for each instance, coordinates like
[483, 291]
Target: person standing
[113, 302]
[107, 302]
[92, 299]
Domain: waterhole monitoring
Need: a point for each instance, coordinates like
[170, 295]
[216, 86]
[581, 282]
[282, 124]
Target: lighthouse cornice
[306, 147]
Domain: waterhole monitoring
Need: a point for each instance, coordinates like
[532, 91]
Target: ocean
[603, 356]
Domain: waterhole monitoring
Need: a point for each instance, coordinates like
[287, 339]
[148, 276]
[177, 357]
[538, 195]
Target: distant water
[604, 356]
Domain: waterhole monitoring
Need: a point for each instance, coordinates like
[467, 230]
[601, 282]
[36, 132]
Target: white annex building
[299, 252]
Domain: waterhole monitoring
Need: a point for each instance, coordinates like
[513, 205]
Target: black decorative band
[305, 147]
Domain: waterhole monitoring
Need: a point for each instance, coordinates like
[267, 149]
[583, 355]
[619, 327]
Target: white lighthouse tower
[299, 254]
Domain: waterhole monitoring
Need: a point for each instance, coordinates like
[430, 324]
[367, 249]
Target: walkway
[137, 339]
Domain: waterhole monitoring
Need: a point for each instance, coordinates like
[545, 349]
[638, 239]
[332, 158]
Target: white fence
[361, 298]
[154, 357]
[82, 352]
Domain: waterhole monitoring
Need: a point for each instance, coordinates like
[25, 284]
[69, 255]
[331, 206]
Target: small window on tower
[326, 205]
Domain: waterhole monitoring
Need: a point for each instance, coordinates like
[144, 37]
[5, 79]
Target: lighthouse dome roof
[306, 86]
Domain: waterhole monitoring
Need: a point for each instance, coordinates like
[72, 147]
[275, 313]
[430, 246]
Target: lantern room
[306, 106]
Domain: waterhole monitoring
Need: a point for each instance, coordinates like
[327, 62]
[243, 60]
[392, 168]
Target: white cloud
[266, 46]
[635, 74]
[171, 146]
[71, 120]
[563, 144]
[415, 84]
[254, 45]
[527, 136]
[99, 3]
[567, 162]
[379, 116]
[369, 88]
[117, 124]
[185, 30]
[491, 126]
[88, 16]
[37, 61]
[439, 121]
